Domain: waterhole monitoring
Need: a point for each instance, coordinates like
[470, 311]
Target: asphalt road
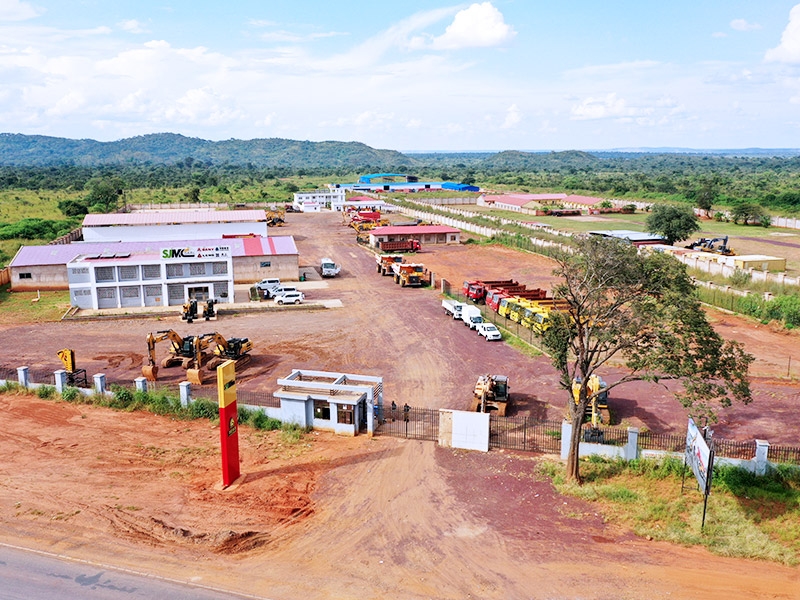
[31, 575]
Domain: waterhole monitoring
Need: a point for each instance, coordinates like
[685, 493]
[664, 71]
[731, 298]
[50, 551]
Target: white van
[266, 284]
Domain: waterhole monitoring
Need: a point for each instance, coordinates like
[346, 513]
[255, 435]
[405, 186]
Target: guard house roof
[61, 254]
[175, 217]
[634, 237]
[413, 230]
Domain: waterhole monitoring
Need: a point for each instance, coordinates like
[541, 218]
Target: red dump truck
[403, 246]
[476, 290]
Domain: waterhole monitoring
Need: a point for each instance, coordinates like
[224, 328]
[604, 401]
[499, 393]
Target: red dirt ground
[337, 517]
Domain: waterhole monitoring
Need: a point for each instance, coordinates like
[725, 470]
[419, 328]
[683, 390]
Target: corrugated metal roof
[588, 200]
[413, 229]
[175, 217]
[61, 254]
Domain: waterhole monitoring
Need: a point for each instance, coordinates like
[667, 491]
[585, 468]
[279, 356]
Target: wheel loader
[187, 351]
[236, 349]
[491, 394]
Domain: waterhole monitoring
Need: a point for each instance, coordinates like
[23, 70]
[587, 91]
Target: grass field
[32, 307]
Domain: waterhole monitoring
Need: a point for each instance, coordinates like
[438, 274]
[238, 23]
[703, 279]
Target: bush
[71, 394]
[122, 398]
[204, 409]
[45, 392]
[740, 277]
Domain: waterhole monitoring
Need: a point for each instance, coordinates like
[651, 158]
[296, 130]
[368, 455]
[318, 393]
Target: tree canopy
[672, 222]
[644, 310]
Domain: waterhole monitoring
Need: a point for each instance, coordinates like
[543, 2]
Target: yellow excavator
[189, 352]
[237, 349]
[75, 376]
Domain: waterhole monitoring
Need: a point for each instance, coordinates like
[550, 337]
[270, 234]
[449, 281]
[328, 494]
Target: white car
[489, 331]
[278, 290]
[267, 284]
[290, 298]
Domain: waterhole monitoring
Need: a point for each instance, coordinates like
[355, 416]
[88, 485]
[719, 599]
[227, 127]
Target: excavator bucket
[194, 376]
[150, 372]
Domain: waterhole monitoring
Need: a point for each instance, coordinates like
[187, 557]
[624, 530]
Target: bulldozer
[491, 394]
[75, 376]
[189, 352]
[236, 349]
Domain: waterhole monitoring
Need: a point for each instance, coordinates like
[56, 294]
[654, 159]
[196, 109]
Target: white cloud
[479, 26]
[132, 26]
[788, 50]
[719, 34]
[14, 10]
[743, 25]
[608, 106]
[513, 117]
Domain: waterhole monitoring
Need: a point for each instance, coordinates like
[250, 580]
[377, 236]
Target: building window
[220, 268]
[344, 414]
[25, 276]
[197, 269]
[104, 274]
[322, 410]
[174, 271]
[151, 271]
[128, 273]
[265, 264]
[106, 293]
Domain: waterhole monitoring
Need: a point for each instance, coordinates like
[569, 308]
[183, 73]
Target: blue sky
[410, 76]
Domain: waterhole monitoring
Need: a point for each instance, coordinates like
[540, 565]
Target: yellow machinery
[597, 408]
[75, 376]
[411, 274]
[491, 394]
[188, 352]
[190, 311]
[276, 218]
[237, 349]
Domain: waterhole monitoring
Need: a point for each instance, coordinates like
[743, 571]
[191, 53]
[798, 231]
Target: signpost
[700, 457]
[228, 422]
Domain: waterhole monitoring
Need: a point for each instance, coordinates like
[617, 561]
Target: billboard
[221, 251]
[698, 457]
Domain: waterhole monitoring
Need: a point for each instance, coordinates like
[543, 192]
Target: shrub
[71, 394]
[740, 277]
[122, 398]
[204, 409]
[45, 392]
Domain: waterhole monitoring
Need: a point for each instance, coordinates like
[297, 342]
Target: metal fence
[668, 442]
[524, 433]
[409, 422]
[784, 454]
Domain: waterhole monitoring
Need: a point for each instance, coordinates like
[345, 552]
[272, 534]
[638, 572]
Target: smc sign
[177, 253]
[196, 252]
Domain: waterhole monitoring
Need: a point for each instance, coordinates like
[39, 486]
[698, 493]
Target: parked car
[489, 331]
[290, 298]
[278, 290]
[266, 284]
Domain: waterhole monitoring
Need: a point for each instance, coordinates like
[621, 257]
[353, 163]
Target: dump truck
[385, 262]
[491, 394]
[453, 308]
[411, 274]
[495, 296]
[328, 268]
[401, 246]
[476, 290]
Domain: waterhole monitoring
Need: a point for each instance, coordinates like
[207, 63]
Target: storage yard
[356, 516]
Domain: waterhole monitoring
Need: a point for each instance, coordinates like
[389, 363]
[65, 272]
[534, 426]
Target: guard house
[338, 402]
[172, 277]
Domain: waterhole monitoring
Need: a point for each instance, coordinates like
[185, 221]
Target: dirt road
[337, 517]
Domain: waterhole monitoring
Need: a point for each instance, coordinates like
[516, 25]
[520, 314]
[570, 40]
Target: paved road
[29, 575]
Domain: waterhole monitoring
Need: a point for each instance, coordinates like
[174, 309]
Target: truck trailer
[401, 246]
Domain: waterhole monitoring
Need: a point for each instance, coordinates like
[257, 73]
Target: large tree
[641, 308]
[674, 223]
[104, 193]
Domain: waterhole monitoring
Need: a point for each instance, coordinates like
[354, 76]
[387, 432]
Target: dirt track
[354, 517]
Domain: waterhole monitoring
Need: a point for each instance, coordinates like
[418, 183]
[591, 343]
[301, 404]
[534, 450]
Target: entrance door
[199, 293]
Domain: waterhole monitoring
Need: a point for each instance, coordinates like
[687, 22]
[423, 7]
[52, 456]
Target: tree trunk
[573, 464]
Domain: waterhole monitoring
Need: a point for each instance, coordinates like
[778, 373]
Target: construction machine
[236, 349]
[597, 408]
[276, 218]
[189, 311]
[476, 290]
[707, 245]
[491, 394]
[385, 262]
[210, 312]
[187, 351]
[75, 376]
[411, 274]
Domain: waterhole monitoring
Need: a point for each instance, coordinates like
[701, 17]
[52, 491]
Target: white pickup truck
[328, 268]
[453, 307]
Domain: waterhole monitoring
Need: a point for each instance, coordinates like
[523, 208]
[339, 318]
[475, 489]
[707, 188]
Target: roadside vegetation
[747, 516]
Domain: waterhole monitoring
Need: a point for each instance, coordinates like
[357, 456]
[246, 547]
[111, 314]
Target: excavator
[188, 352]
[707, 245]
[236, 349]
[491, 394]
[75, 376]
[190, 310]
[597, 408]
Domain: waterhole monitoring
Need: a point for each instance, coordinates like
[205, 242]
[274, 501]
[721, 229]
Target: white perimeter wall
[164, 233]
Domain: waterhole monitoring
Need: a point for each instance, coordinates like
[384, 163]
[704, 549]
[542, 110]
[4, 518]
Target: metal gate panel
[408, 422]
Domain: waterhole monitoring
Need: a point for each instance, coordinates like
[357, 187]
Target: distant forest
[173, 161]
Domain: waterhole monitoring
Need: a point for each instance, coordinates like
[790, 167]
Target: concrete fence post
[61, 380]
[762, 451]
[99, 383]
[566, 436]
[23, 377]
[186, 393]
[631, 450]
[141, 384]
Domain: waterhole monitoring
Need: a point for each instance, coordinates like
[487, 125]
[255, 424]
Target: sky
[414, 76]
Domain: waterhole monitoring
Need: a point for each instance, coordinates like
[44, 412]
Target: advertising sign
[698, 457]
[228, 422]
[222, 251]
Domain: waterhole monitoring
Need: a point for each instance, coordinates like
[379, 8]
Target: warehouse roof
[175, 217]
[61, 254]
[413, 230]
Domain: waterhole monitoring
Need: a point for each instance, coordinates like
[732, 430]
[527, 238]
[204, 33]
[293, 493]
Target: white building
[316, 200]
[168, 278]
[173, 225]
